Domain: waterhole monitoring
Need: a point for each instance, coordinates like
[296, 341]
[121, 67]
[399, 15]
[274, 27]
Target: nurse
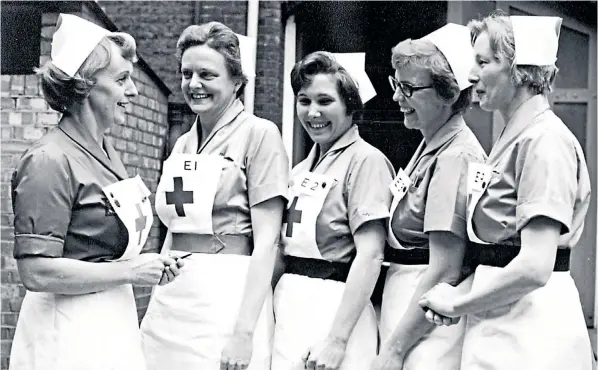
[222, 196]
[80, 221]
[334, 228]
[526, 211]
[427, 232]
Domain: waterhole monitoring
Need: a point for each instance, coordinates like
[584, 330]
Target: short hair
[499, 28]
[322, 62]
[220, 38]
[62, 91]
[424, 54]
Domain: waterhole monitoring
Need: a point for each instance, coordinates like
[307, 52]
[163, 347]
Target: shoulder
[363, 152]
[465, 147]
[546, 132]
[260, 126]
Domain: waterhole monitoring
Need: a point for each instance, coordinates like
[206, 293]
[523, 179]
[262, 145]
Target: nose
[473, 75]
[398, 95]
[195, 81]
[131, 90]
[313, 112]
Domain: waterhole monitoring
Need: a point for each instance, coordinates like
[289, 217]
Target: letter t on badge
[400, 184]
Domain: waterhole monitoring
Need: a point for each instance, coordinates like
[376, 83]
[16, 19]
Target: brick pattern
[156, 28]
[26, 117]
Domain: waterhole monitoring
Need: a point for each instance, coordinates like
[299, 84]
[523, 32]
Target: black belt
[317, 268]
[415, 256]
[501, 255]
[213, 244]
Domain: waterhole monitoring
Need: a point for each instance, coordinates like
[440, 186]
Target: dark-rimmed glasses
[406, 89]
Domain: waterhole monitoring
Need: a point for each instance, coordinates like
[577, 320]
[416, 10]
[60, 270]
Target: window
[21, 32]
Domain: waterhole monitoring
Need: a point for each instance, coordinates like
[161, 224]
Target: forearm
[508, 285]
[258, 286]
[71, 277]
[358, 289]
[413, 325]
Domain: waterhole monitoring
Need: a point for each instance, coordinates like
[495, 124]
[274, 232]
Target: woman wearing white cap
[333, 232]
[222, 196]
[427, 233]
[526, 211]
[80, 222]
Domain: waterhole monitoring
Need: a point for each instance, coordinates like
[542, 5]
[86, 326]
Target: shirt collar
[346, 139]
[79, 133]
[446, 132]
[192, 142]
[521, 119]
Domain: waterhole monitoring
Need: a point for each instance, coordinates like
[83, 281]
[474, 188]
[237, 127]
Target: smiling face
[113, 90]
[425, 110]
[491, 77]
[206, 83]
[321, 110]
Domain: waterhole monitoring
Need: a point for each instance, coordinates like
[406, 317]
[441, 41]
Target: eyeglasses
[406, 89]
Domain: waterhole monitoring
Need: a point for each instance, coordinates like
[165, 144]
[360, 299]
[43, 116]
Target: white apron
[189, 321]
[441, 347]
[527, 334]
[96, 331]
[305, 307]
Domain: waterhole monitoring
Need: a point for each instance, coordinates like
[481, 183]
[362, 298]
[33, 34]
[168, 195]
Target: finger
[224, 363]
[446, 320]
[305, 356]
[180, 262]
[423, 301]
[430, 316]
[166, 260]
[170, 275]
[175, 270]
[438, 319]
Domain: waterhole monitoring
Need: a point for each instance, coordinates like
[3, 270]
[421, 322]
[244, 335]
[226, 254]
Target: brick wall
[25, 117]
[157, 28]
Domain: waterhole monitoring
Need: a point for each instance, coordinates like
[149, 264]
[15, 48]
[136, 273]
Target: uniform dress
[433, 199]
[204, 198]
[72, 200]
[536, 168]
[329, 200]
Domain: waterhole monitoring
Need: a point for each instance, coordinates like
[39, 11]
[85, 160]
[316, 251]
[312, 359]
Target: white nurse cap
[536, 39]
[354, 63]
[247, 48]
[454, 42]
[74, 39]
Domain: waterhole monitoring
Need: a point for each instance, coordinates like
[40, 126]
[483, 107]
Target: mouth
[198, 96]
[122, 104]
[407, 111]
[480, 92]
[318, 125]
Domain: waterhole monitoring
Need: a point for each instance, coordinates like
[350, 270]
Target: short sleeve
[267, 165]
[41, 196]
[369, 196]
[546, 175]
[447, 194]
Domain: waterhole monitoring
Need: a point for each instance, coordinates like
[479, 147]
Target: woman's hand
[439, 303]
[171, 271]
[236, 354]
[388, 359]
[326, 355]
[147, 269]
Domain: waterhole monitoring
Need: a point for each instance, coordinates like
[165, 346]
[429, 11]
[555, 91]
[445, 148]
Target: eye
[123, 80]
[303, 101]
[207, 75]
[187, 74]
[325, 101]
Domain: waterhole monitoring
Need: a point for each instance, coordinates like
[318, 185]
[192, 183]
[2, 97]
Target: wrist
[341, 340]
[242, 331]
[460, 305]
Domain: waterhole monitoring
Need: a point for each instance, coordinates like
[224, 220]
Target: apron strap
[501, 255]
[213, 244]
[317, 268]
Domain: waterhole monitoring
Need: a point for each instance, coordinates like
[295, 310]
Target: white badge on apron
[307, 193]
[129, 199]
[398, 187]
[186, 192]
[478, 178]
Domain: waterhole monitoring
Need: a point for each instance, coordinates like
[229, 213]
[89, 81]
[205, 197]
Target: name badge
[400, 185]
[312, 183]
[478, 177]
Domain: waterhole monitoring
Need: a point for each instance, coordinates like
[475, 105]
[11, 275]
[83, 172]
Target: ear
[238, 85]
[452, 100]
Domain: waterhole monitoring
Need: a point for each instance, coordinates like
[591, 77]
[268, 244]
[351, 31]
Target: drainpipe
[252, 31]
